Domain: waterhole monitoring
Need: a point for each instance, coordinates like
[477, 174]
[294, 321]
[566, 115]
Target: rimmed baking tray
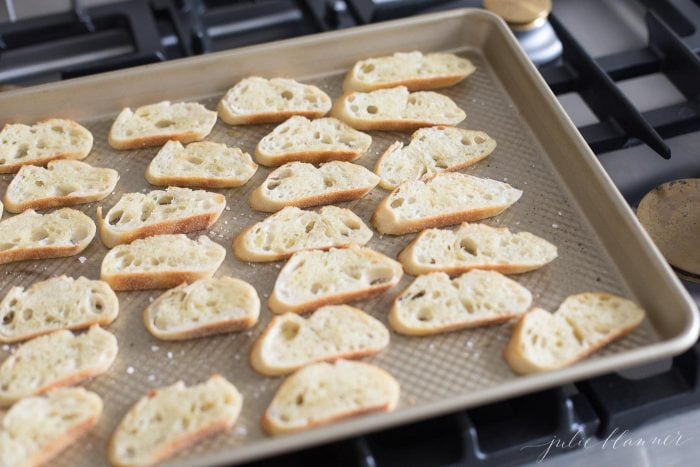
[568, 199]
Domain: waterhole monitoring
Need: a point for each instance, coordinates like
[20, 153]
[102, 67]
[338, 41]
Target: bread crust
[384, 221]
[271, 428]
[168, 450]
[258, 201]
[312, 157]
[59, 201]
[514, 356]
[340, 112]
[62, 443]
[257, 362]
[263, 117]
[51, 251]
[152, 280]
[75, 155]
[278, 306]
[173, 226]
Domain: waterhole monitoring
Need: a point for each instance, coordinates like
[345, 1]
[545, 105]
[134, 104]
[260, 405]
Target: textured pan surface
[436, 373]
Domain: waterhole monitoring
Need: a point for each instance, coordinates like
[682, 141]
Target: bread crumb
[82, 259]
[228, 208]
[154, 348]
[130, 370]
[241, 431]
[150, 299]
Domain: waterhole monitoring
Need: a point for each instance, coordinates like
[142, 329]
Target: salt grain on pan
[154, 348]
[82, 259]
[170, 355]
[559, 213]
[150, 299]
[6, 348]
[228, 208]
[130, 370]
[151, 377]
[555, 226]
[212, 233]
[241, 431]
[237, 357]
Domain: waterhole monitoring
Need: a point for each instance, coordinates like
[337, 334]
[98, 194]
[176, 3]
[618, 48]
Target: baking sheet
[436, 374]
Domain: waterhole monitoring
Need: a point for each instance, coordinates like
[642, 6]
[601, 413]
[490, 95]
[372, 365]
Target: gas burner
[670, 213]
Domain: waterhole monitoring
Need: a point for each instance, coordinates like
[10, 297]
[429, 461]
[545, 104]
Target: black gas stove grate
[144, 32]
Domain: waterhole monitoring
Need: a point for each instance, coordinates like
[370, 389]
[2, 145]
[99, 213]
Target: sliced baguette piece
[329, 333]
[476, 246]
[414, 70]
[54, 360]
[161, 262]
[314, 141]
[259, 100]
[169, 419]
[584, 323]
[445, 199]
[324, 393]
[432, 150]
[202, 164]
[171, 211]
[41, 143]
[396, 109]
[61, 183]
[30, 235]
[312, 279]
[203, 308]
[36, 429]
[292, 229]
[303, 185]
[56, 303]
[434, 303]
[156, 124]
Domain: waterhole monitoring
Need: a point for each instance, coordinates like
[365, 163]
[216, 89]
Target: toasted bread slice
[156, 124]
[292, 229]
[414, 70]
[314, 141]
[161, 262]
[203, 308]
[396, 109]
[171, 211]
[584, 323]
[56, 303]
[30, 235]
[36, 429]
[447, 198]
[434, 303]
[203, 164]
[476, 246]
[315, 278]
[62, 183]
[41, 143]
[260, 100]
[53, 360]
[324, 393]
[172, 418]
[329, 333]
[303, 185]
[432, 150]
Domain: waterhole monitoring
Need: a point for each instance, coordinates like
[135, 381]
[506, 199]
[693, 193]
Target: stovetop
[629, 78]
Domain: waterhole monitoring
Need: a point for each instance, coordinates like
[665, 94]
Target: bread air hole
[22, 151]
[66, 189]
[316, 287]
[27, 314]
[310, 226]
[273, 184]
[479, 140]
[466, 142]
[299, 399]
[328, 182]
[352, 224]
[194, 160]
[372, 109]
[164, 123]
[468, 246]
[397, 203]
[417, 296]
[8, 318]
[290, 331]
[39, 234]
[115, 217]
[287, 95]
[425, 314]
[57, 129]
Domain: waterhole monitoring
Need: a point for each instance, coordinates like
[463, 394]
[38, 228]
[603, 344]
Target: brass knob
[521, 15]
